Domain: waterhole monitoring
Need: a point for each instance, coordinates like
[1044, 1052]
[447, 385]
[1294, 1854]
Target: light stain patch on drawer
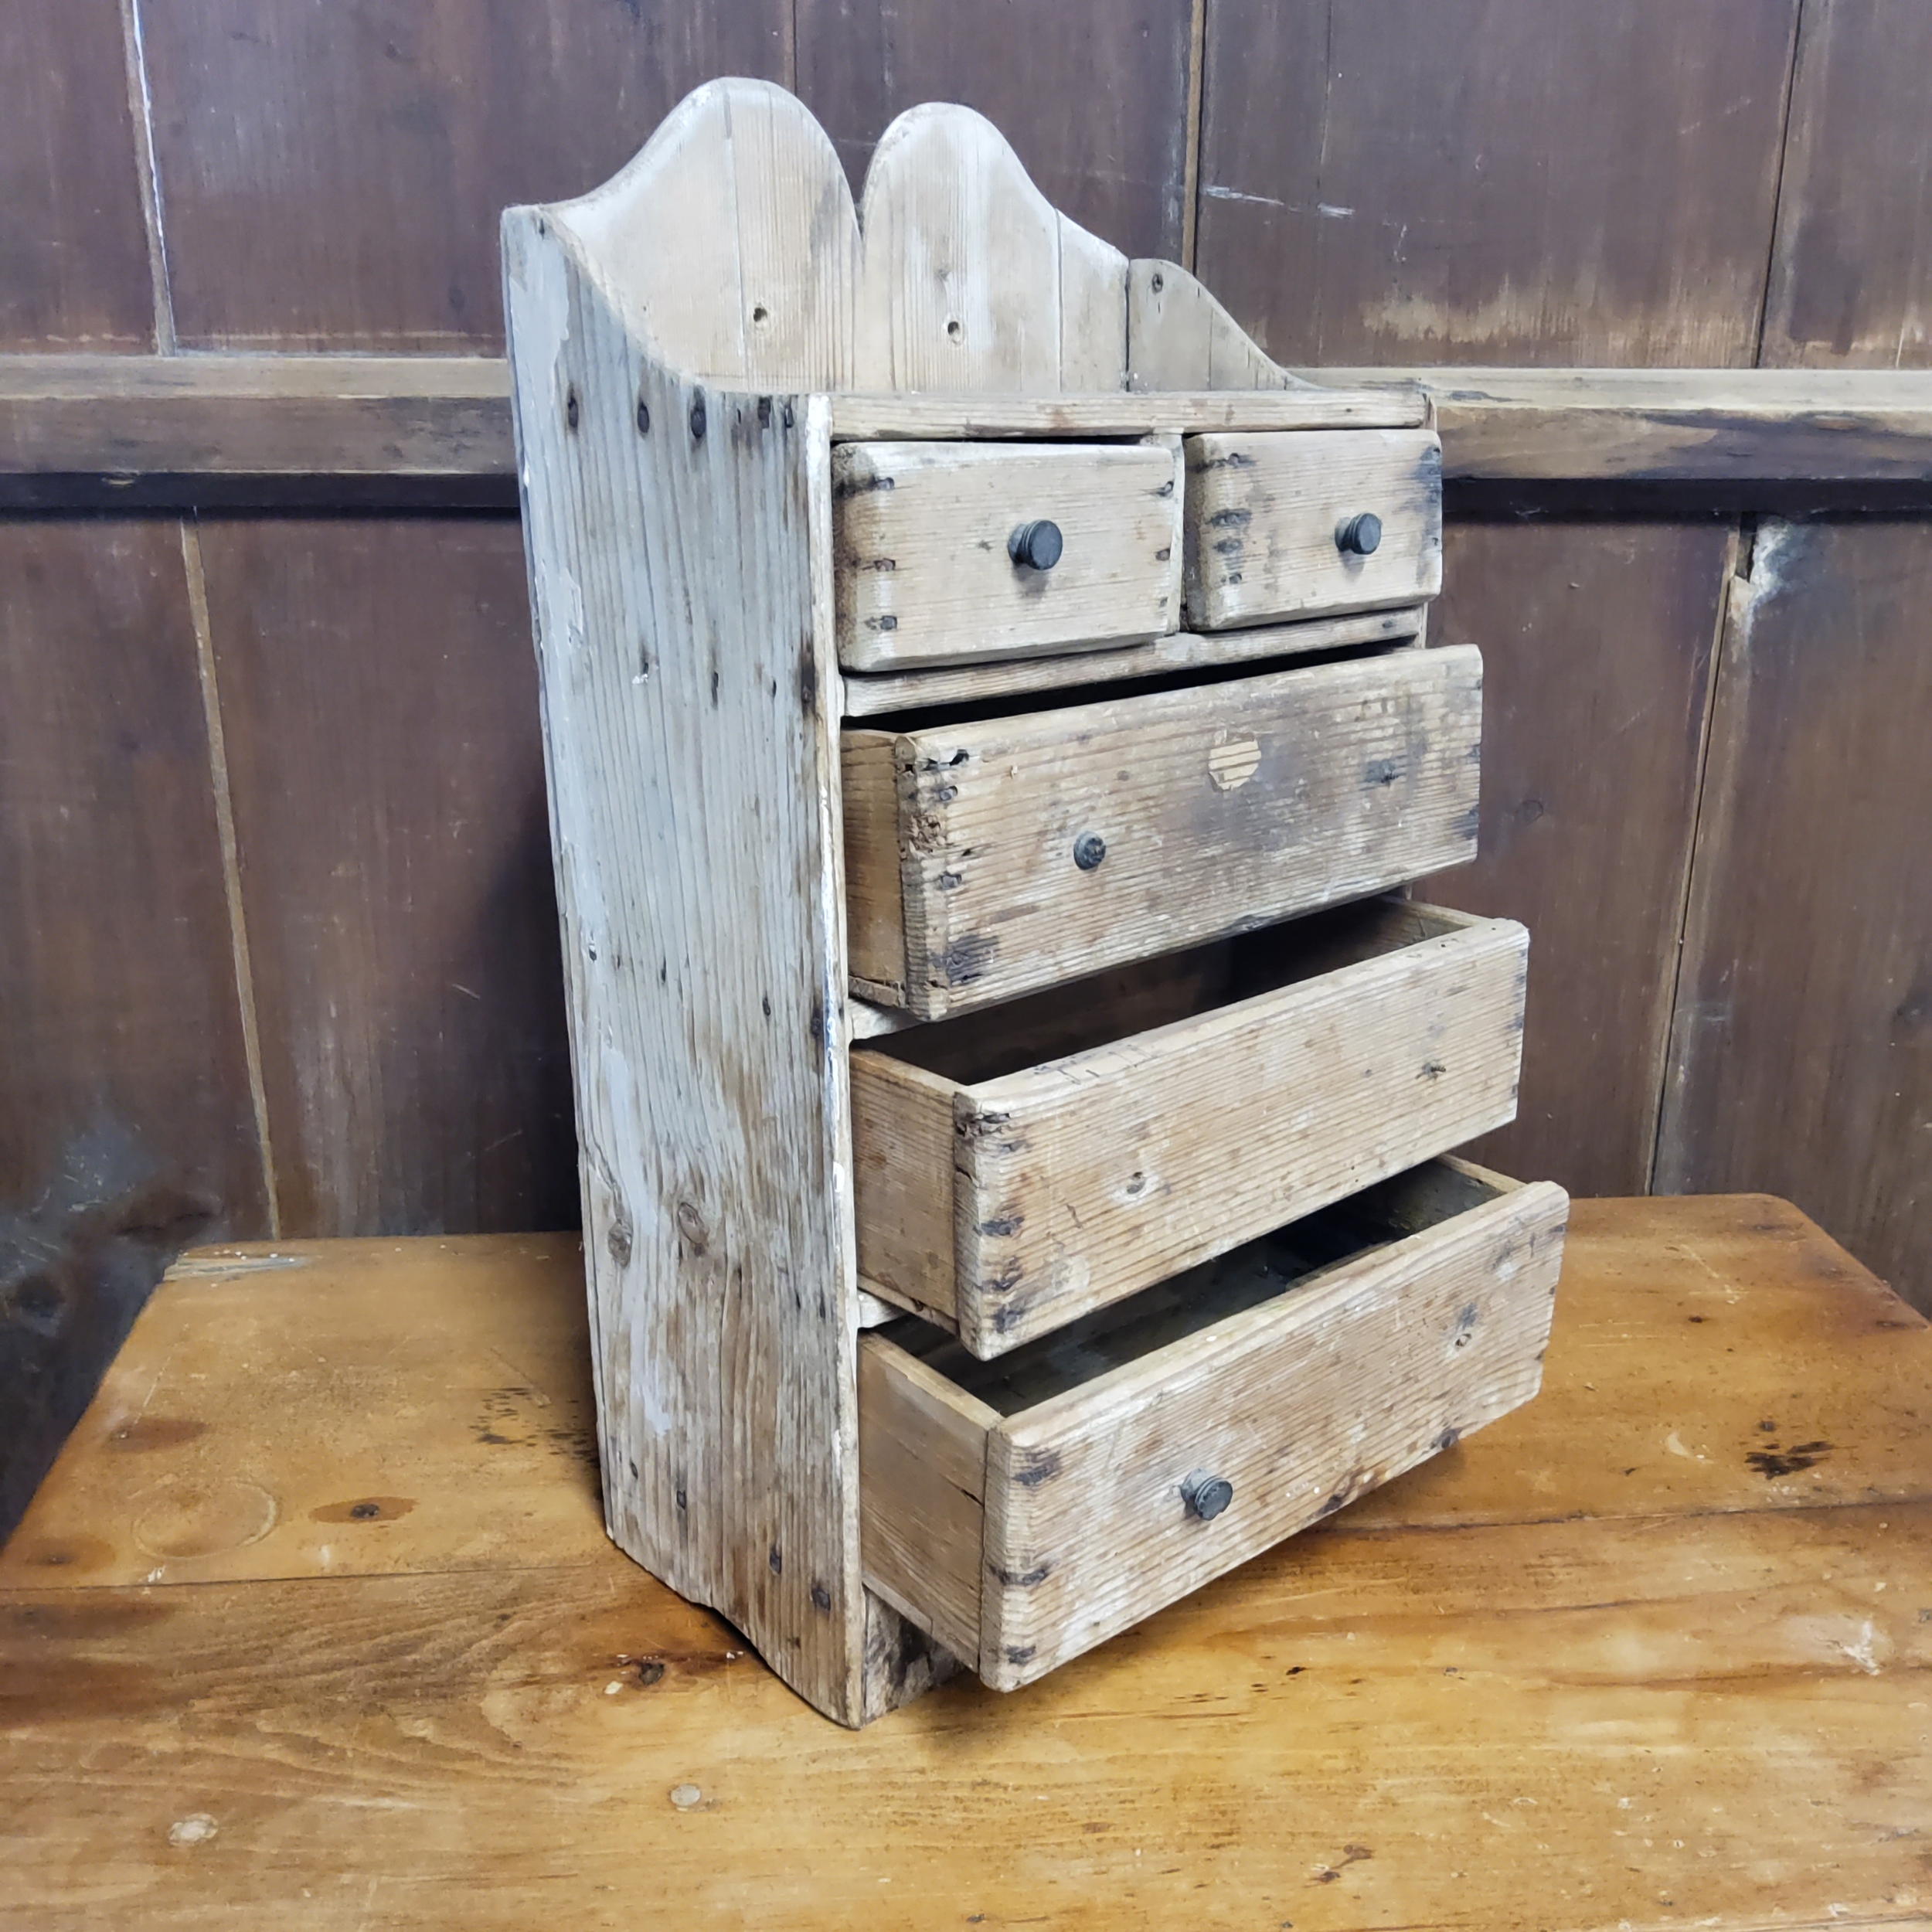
[1233, 758]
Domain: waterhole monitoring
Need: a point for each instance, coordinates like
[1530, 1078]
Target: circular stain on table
[186, 1518]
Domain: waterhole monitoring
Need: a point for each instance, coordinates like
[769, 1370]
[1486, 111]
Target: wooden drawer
[1016, 1169]
[1024, 1510]
[1274, 528]
[924, 562]
[985, 858]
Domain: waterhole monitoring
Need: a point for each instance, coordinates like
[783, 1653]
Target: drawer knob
[1088, 849]
[1036, 545]
[1206, 1494]
[1358, 536]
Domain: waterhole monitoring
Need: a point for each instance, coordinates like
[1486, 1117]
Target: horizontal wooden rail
[81, 430]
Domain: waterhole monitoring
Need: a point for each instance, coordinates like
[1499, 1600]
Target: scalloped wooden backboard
[730, 244]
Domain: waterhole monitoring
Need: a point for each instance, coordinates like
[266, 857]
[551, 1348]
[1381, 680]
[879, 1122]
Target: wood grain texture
[903, 1142]
[923, 575]
[436, 428]
[1180, 337]
[923, 1444]
[1301, 1403]
[332, 177]
[1111, 1165]
[1851, 270]
[1264, 516]
[1596, 642]
[1378, 402]
[1220, 807]
[1118, 170]
[1802, 1050]
[729, 244]
[1710, 427]
[973, 280]
[117, 976]
[1522, 180]
[436, 1746]
[73, 251]
[379, 716]
[680, 562]
[871, 694]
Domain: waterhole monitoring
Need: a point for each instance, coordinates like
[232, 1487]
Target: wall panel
[116, 979]
[1851, 281]
[333, 170]
[1499, 181]
[73, 246]
[1094, 98]
[1596, 642]
[1802, 1060]
[378, 698]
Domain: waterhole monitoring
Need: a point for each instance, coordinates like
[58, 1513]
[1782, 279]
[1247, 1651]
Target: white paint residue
[196, 1828]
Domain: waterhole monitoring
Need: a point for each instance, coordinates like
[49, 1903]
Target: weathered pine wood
[1302, 1403]
[681, 643]
[1179, 337]
[1220, 807]
[1015, 298]
[923, 575]
[1377, 403]
[1265, 515]
[1126, 1156]
[921, 1445]
[871, 694]
[171, 428]
[1277, 1376]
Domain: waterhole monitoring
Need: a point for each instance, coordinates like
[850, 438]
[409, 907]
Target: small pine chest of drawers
[991, 741]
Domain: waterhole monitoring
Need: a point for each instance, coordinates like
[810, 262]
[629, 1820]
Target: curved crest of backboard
[731, 245]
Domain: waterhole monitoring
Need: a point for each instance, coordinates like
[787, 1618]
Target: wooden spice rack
[987, 733]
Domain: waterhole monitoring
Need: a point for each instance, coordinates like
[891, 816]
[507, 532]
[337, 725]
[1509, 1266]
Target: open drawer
[1024, 1510]
[985, 856]
[1017, 1168]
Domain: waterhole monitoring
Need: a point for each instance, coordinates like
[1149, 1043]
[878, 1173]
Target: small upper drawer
[1023, 1511]
[952, 553]
[985, 858]
[1287, 524]
[1015, 1169]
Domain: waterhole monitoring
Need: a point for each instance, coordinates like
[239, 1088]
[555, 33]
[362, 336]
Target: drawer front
[929, 568]
[1277, 525]
[1112, 1488]
[1005, 1208]
[985, 859]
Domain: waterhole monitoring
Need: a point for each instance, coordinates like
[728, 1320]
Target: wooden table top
[315, 1625]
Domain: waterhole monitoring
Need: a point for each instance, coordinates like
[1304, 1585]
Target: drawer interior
[1290, 1259]
[991, 1042]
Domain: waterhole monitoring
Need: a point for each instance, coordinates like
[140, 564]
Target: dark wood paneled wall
[274, 893]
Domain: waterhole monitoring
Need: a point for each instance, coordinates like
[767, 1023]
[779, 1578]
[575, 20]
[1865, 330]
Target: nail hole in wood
[953, 330]
[644, 417]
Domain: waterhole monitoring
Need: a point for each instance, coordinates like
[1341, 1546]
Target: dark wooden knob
[1088, 849]
[1036, 545]
[1358, 536]
[1206, 1494]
